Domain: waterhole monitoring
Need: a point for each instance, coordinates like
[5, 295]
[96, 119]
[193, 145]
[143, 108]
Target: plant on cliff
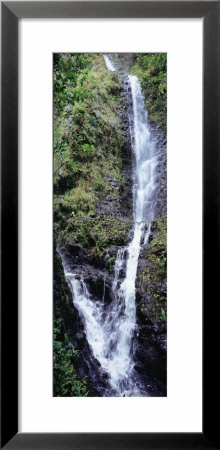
[151, 69]
[66, 383]
[153, 277]
[96, 234]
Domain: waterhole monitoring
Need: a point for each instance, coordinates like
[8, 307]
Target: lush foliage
[66, 383]
[88, 142]
[97, 234]
[154, 277]
[67, 68]
[151, 69]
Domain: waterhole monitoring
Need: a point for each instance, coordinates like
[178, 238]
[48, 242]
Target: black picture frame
[11, 12]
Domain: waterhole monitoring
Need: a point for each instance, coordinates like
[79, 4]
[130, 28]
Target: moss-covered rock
[96, 234]
[151, 69]
[152, 278]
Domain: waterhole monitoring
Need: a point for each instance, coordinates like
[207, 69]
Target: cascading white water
[144, 150]
[109, 63]
[110, 330]
[123, 315]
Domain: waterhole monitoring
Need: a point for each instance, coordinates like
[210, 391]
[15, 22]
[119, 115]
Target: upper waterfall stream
[110, 329]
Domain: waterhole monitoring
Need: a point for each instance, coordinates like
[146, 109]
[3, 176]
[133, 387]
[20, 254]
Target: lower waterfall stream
[110, 329]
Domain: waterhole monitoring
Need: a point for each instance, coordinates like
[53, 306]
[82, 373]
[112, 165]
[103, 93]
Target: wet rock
[80, 336]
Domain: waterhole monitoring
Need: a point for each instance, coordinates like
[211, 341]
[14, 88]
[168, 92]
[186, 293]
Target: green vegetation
[88, 142]
[66, 383]
[97, 234]
[153, 277]
[151, 69]
[67, 70]
[79, 201]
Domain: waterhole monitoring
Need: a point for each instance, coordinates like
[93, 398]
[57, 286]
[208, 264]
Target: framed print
[99, 272]
[109, 222]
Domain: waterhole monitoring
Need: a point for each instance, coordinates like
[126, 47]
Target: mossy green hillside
[88, 143]
[97, 235]
[151, 69]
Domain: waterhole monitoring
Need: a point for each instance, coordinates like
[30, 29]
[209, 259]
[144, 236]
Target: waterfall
[110, 329]
[109, 63]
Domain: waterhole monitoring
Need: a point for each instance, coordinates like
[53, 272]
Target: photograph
[110, 224]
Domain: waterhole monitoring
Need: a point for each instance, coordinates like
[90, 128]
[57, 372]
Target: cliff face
[93, 214]
[151, 283]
